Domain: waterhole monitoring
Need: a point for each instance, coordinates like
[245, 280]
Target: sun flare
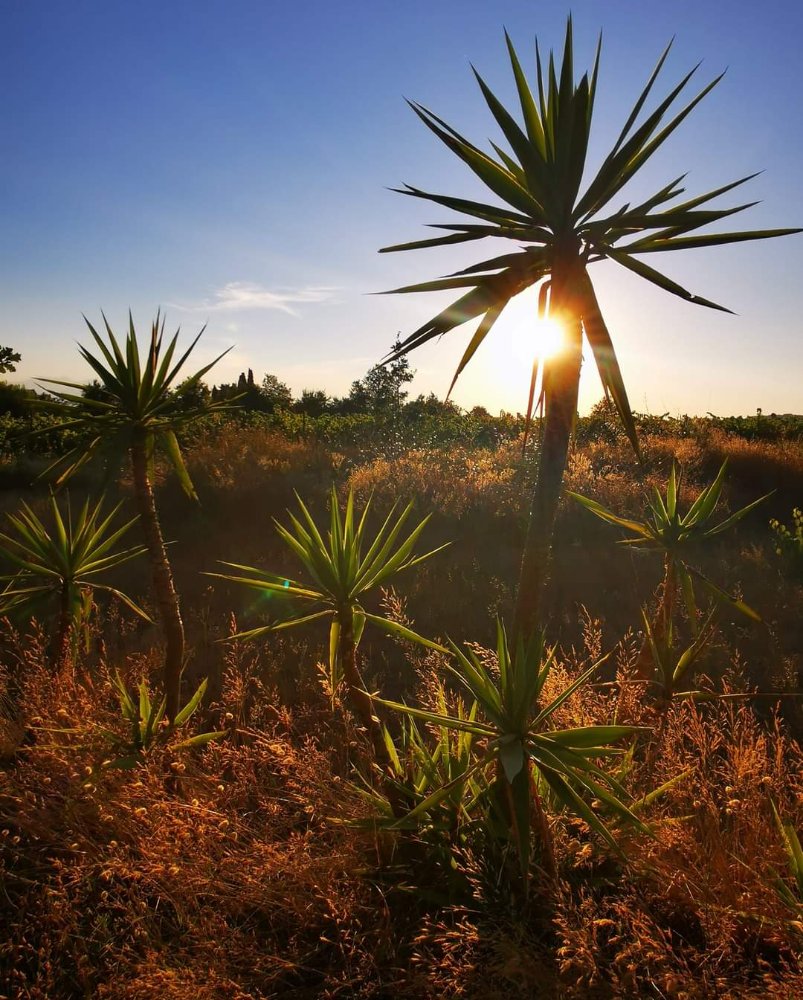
[524, 340]
[540, 339]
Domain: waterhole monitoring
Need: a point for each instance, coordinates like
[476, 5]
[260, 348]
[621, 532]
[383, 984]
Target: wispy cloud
[238, 296]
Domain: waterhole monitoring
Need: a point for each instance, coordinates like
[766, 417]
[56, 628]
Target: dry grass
[214, 873]
[454, 481]
[229, 872]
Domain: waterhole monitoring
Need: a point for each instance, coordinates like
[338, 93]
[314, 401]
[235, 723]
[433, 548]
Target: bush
[789, 541]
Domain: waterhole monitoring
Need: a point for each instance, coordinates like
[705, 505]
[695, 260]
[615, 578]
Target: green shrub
[789, 541]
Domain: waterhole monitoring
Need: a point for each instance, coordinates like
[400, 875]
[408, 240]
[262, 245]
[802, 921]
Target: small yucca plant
[678, 537]
[792, 897]
[418, 767]
[418, 764]
[59, 565]
[512, 732]
[672, 668]
[145, 718]
[344, 565]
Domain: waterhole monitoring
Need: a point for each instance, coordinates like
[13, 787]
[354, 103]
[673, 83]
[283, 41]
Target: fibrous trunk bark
[662, 624]
[561, 383]
[360, 701]
[60, 649]
[363, 706]
[164, 589]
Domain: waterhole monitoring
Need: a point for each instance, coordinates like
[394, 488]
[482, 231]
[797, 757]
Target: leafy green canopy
[136, 400]
[9, 359]
[541, 206]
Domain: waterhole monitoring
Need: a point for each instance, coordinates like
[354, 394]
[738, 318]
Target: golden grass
[229, 872]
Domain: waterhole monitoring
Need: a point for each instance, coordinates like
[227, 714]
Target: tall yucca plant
[562, 229]
[136, 414]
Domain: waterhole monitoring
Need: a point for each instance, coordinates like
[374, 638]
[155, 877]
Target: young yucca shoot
[60, 565]
[145, 716]
[344, 564]
[416, 769]
[514, 730]
[793, 898]
[670, 667]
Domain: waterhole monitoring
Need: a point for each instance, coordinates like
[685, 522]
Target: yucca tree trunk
[60, 648]
[544, 833]
[164, 589]
[562, 378]
[364, 707]
[645, 667]
[360, 701]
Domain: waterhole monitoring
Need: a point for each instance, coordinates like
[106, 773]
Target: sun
[540, 338]
[521, 340]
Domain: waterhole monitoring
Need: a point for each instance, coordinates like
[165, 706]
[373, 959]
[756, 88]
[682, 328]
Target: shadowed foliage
[532, 758]
[678, 538]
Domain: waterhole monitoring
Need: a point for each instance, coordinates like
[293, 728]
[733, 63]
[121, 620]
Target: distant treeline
[375, 415]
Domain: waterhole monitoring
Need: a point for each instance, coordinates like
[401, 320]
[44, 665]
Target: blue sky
[229, 161]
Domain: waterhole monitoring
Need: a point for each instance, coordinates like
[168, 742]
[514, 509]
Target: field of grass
[262, 864]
